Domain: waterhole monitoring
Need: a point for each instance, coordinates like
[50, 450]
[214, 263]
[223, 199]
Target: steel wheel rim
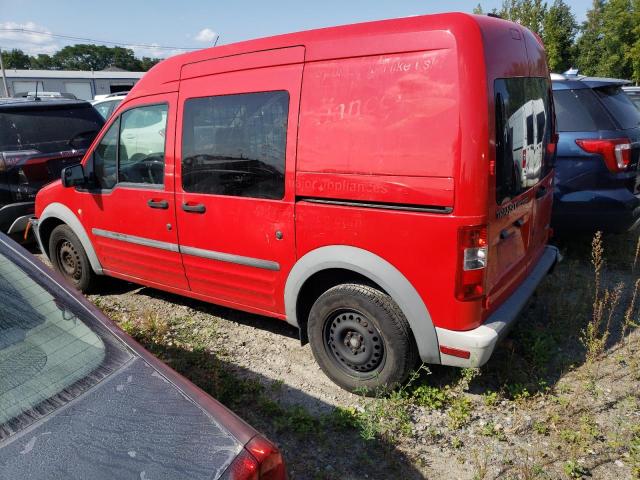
[354, 343]
[69, 260]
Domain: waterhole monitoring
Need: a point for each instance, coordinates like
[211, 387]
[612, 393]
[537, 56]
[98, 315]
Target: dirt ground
[560, 398]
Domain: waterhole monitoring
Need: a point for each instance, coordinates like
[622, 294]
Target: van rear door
[519, 214]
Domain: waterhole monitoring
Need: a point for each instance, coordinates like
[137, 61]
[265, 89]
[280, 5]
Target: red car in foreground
[80, 399]
[385, 187]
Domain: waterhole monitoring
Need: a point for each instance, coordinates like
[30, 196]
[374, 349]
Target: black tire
[69, 258]
[361, 339]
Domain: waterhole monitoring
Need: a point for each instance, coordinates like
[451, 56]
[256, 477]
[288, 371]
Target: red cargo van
[380, 186]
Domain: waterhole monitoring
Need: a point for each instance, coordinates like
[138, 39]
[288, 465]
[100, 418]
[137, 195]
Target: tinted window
[635, 98]
[105, 158]
[235, 144]
[580, 111]
[540, 124]
[521, 143]
[50, 350]
[50, 129]
[619, 105]
[141, 149]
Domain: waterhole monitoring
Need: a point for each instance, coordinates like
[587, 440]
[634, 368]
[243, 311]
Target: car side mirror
[73, 176]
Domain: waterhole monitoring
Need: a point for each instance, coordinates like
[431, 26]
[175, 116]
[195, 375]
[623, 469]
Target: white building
[83, 84]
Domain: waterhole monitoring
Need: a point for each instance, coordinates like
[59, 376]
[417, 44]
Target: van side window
[142, 139]
[523, 131]
[235, 144]
[105, 158]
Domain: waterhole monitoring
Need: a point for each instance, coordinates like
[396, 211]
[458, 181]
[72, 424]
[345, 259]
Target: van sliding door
[235, 163]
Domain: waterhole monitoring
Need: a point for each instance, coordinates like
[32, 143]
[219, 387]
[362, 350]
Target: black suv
[38, 138]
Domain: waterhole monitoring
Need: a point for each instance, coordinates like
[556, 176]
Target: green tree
[590, 46]
[15, 59]
[147, 62]
[43, 62]
[634, 51]
[609, 39]
[559, 33]
[528, 13]
[478, 10]
[618, 39]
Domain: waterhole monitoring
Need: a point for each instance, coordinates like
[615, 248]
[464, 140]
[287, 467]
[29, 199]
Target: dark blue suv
[597, 186]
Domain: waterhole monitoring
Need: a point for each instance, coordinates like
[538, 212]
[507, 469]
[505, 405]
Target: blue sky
[194, 24]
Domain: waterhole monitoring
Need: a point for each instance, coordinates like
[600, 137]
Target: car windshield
[51, 350]
[619, 105]
[49, 129]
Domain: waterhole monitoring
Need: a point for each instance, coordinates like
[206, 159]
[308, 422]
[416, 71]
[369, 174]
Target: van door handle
[198, 208]
[161, 204]
[541, 192]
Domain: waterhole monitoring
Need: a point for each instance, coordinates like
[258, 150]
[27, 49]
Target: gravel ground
[538, 409]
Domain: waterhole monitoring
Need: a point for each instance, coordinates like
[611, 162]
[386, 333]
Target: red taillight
[616, 152]
[472, 262]
[552, 145]
[259, 460]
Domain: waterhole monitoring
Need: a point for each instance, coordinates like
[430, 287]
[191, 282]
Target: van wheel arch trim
[64, 214]
[379, 271]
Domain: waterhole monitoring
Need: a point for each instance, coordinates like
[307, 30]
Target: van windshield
[50, 350]
[523, 131]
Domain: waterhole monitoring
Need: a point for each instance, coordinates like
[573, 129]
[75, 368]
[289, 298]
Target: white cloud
[31, 43]
[206, 35]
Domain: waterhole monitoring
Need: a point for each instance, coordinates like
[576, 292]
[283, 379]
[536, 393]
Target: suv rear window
[523, 130]
[50, 349]
[49, 129]
[580, 111]
[619, 105]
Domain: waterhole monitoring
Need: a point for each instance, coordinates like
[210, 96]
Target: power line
[92, 40]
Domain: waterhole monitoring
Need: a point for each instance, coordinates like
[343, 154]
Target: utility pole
[4, 76]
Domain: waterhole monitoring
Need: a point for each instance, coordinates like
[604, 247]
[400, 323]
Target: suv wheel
[361, 339]
[69, 258]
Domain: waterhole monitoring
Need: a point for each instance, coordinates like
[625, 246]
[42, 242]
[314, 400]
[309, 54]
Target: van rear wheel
[361, 339]
[69, 258]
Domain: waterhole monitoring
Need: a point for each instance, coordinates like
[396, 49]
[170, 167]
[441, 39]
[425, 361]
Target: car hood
[134, 424]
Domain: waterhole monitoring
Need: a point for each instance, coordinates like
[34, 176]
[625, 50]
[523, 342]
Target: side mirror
[73, 176]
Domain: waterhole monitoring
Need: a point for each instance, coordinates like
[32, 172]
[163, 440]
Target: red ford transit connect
[385, 187]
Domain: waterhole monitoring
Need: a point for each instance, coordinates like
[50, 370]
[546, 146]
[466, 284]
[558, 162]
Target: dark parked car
[38, 138]
[633, 93]
[596, 184]
[81, 399]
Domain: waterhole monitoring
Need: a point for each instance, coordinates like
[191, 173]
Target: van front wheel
[361, 339]
[69, 258]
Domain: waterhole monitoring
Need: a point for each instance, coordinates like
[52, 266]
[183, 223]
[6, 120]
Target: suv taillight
[616, 152]
[472, 262]
[259, 460]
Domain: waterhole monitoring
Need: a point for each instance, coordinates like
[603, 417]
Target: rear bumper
[481, 341]
[14, 217]
[615, 210]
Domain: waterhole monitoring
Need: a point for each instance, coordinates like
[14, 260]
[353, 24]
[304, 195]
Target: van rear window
[523, 131]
